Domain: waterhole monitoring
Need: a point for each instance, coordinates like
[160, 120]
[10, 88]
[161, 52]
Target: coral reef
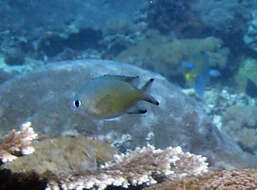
[65, 20]
[173, 16]
[227, 20]
[13, 69]
[222, 180]
[233, 179]
[17, 143]
[141, 166]
[163, 55]
[53, 45]
[170, 168]
[74, 20]
[63, 155]
[250, 38]
[45, 95]
[247, 71]
[14, 56]
[217, 101]
[119, 35]
[240, 123]
[225, 17]
[121, 26]
[198, 18]
[82, 162]
[233, 113]
[4, 76]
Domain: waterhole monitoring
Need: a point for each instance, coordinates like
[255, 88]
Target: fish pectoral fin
[136, 110]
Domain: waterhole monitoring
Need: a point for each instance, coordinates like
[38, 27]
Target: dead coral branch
[17, 143]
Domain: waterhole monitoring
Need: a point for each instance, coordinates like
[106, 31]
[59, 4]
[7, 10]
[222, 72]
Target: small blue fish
[187, 65]
[214, 73]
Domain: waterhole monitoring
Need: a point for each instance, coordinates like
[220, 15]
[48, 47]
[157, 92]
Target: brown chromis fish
[109, 96]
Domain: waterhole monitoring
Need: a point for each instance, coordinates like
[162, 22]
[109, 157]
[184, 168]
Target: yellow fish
[190, 77]
[109, 96]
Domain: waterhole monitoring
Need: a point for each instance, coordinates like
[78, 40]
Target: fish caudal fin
[147, 97]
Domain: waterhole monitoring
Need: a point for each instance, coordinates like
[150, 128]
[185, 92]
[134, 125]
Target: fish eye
[77, 103]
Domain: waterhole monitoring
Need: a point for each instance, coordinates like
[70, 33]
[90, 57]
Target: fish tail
[147, 97]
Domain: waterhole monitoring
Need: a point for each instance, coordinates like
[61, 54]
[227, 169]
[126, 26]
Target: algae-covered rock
[63, 155]
[240, 123]
[44, 97]
[163, 55]
[167, 16]
[222, 179]
[12, 68]
[247, 70]
[221, 15]
[120, 26]
[250, 38]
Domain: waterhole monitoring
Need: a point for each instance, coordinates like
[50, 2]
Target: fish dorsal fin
[129, 79]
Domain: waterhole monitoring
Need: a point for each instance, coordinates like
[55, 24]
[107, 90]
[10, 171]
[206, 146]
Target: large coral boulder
[44, 97]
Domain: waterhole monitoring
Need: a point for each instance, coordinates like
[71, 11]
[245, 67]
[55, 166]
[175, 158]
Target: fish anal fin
[136, 110]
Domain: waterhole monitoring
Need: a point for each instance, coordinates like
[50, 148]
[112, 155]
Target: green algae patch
[247, 71]
[164, 55]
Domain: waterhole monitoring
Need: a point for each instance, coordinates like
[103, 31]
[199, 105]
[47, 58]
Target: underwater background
[202, 56]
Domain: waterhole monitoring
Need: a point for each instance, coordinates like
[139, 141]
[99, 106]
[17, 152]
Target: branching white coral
[141, 166]
[17, 143]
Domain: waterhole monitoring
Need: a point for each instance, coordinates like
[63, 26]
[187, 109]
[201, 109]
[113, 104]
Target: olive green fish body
[109, 96]
[115, 97]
